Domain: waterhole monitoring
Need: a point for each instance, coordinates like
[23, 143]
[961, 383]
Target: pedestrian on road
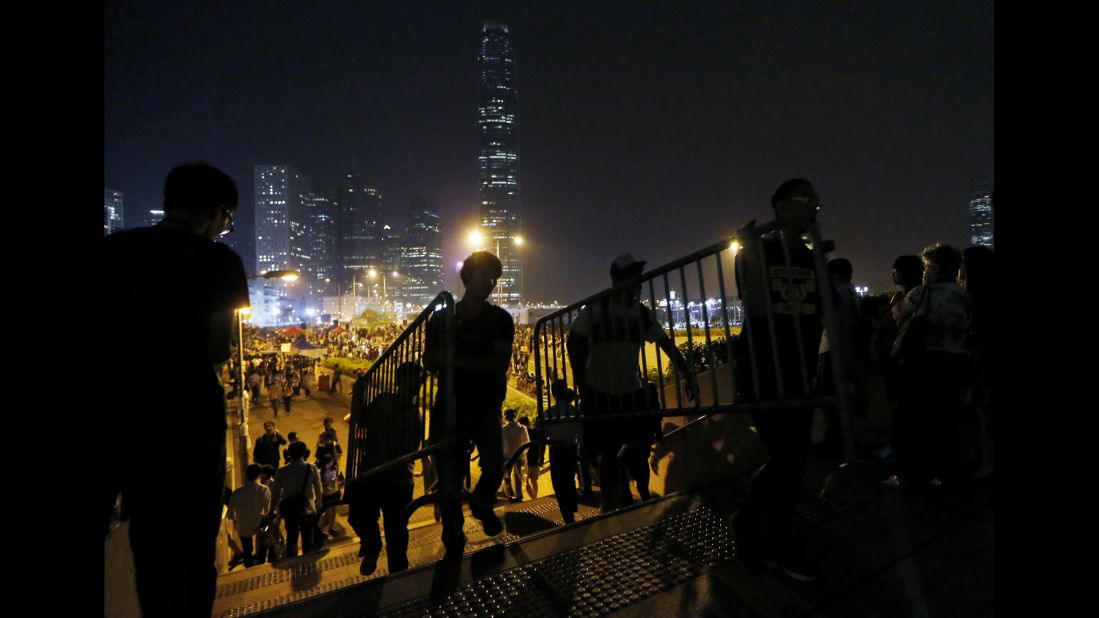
[298, 494]
[514, 436]
[274, 391]
[266, 451]
[248, 505]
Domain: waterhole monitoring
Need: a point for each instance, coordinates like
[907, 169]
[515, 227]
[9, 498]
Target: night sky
[655, 130]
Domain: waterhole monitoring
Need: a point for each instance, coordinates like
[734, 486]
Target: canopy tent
[337, 329]
[293, 330]
[304, 348]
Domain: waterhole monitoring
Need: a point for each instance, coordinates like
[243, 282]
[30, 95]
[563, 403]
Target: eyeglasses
[807, 199]
[228, 229]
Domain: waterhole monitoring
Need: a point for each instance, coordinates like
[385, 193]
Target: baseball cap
[626, 263]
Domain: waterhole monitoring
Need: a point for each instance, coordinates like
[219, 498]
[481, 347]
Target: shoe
[747, 543]
[369, 564]
[515, 500]
[398, 566]
[794, 568]
[491, 523]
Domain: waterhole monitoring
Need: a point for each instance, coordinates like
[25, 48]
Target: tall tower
[112, 211]
[981, 222]
[498, 118]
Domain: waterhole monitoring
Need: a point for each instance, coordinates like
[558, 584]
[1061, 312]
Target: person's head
[941, 263]
[327, 422]
[203, 196]
[509, 415]
[559, 388]
[907, 271]
[267, 471]
[253, 471]
[840, 270]
[269, 427]
[796, 200]
[325, 459]
[292, 437]
[410, 375]
[480, 272]
[297, 450]
[524, 421]
[624, 268]
[978, 267]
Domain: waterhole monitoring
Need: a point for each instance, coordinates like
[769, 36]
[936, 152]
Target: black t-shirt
[795, 300]
[475, 338]
[163, 286]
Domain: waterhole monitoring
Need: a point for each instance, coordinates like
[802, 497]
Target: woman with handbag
[931, 351]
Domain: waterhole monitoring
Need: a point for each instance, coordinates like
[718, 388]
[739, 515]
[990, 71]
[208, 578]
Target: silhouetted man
[390, 427]
[604, 345]
[168, 322]
[763, 524]
[483, 334]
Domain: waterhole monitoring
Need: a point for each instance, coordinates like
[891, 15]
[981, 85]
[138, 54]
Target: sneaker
[794, 568]
[491, 523]
[369, 564]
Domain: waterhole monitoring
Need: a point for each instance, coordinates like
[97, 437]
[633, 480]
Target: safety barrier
[691, 300]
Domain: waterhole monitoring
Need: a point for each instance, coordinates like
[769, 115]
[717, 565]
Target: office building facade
[981, 220]
[112, 211]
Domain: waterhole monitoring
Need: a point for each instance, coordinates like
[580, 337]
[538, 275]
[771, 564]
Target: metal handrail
[551, 328]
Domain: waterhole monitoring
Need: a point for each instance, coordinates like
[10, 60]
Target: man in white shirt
[514, 436]
[247, 507]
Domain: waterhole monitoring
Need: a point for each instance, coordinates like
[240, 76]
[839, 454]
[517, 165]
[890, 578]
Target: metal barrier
[706, 329]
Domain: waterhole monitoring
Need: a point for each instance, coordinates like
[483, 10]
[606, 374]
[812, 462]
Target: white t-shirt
[615, 335]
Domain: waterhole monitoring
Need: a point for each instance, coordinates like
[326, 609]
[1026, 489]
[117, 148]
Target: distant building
[389, 260]
[981, 219]
[421, 254]
[112, 211]
[282, 239]
[357, 206]
[320, 238]
[498, 119]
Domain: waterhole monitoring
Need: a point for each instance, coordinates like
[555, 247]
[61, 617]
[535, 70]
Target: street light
[476, 241]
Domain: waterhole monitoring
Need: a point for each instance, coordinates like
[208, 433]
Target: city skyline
[653, 131]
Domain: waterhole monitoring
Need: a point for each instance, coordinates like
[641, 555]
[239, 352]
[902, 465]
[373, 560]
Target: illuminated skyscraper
[499, 159]
[421, 254]
[981, 221]
[112, 211]
[280, 234]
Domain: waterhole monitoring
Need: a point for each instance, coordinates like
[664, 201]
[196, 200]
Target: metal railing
[692, 301]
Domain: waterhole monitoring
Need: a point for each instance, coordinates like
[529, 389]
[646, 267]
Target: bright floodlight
[245, 311]
[373, 273]
[285, 275]
[475, 239]
[734, 247]
[518, 241]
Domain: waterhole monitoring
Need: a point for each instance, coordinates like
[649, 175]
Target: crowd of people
[173, 292]
[283, 487]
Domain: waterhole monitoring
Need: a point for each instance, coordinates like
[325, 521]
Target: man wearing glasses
[168, 322]
[788, 284]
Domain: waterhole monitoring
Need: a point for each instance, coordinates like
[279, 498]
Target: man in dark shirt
[392, 427]
[763, 524]
[266, 451]
[483, 334]
[168, 318]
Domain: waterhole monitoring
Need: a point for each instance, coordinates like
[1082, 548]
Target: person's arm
[318, 488]
[907, 306]
[577, 348]
[282, 440]
[221, 335]
[666, 344]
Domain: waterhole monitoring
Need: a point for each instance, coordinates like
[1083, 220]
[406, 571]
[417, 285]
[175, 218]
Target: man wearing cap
[603, 346]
